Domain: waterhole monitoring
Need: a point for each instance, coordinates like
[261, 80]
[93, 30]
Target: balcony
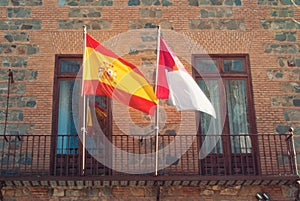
[182, 160]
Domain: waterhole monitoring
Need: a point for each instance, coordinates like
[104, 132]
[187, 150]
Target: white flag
[176, 83]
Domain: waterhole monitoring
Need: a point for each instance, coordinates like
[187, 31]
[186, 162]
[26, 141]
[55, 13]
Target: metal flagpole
[157, 107]
[83, 129]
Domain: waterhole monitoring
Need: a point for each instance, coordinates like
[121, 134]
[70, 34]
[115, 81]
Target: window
[67, 107]
[67, 115]
[226, 80]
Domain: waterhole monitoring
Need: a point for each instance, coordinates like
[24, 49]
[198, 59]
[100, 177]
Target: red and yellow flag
[105, 73]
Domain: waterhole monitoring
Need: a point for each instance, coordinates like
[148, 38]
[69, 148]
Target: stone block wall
[147, 193]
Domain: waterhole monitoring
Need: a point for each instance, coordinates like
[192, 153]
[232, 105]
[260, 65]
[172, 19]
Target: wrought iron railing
[228, 155]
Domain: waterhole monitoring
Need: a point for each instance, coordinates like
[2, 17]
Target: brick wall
[33, 31]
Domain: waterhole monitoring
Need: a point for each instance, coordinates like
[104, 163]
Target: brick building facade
[36, 35]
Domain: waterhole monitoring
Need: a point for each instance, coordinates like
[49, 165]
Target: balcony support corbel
[158, 188]
[1, 186]
[297, 193]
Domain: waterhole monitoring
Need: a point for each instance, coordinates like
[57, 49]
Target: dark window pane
[206, 65]
[101, 101]
[234, 66]
[70, 66]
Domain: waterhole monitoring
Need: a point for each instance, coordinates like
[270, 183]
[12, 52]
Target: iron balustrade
[211, 155]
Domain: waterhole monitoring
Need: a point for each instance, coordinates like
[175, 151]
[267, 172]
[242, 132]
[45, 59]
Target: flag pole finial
[84, 29]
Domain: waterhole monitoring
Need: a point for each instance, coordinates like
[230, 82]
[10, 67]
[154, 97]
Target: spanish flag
[105, 73]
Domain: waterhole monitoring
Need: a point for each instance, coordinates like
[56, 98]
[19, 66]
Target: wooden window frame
[221, 76]
[70, 164]
[231, 75]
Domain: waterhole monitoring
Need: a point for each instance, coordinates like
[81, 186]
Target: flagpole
[83, 129]
[157, 107]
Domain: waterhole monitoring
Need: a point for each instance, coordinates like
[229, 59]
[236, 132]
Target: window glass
[211, 128]
[237, 106]
[70, 66]
[61, 2]
[237, 115]
[67, 134]
[234, 65]
[206, 65]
